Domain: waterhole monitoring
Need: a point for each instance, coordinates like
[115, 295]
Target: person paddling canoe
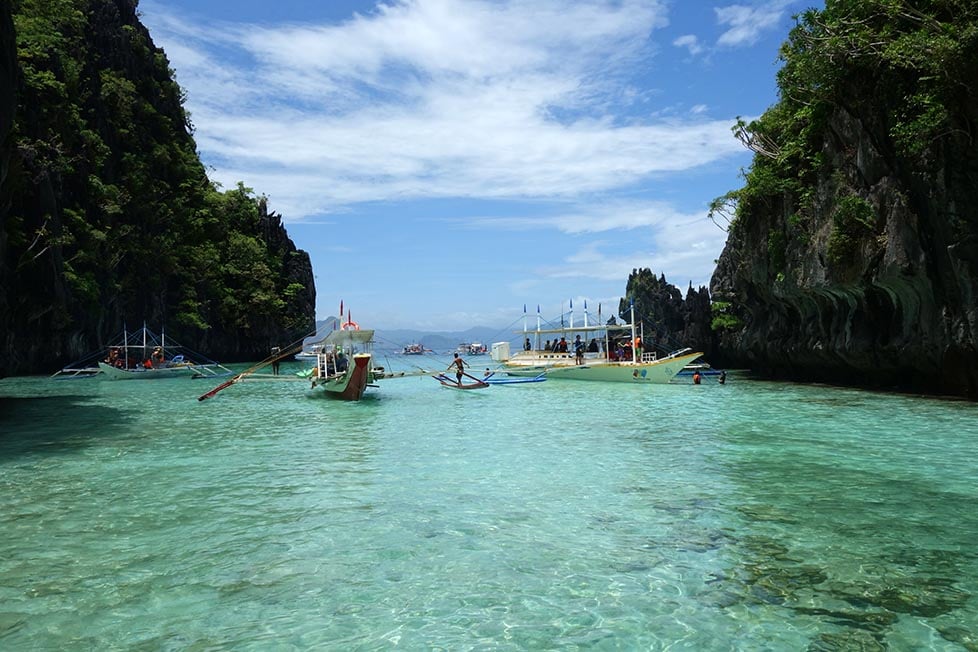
[459, 365]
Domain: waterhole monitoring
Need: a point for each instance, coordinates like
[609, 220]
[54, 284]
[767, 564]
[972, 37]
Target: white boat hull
[114, 373]
[656, 372]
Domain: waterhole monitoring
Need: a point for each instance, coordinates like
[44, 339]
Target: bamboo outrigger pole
[291, 349]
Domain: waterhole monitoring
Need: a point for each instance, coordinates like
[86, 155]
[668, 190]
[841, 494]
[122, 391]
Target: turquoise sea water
[556, 515]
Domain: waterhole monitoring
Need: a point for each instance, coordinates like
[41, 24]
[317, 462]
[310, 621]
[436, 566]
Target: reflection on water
[551, 515]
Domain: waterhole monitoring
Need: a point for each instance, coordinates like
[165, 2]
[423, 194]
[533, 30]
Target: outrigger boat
[343, 367]
[144, 355]
[339, 376]
[597, 361]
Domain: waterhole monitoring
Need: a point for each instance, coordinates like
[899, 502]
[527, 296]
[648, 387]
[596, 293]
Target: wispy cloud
[690, 42]
[435, 98]
[682, 248]
[745, 24]
[590, 218]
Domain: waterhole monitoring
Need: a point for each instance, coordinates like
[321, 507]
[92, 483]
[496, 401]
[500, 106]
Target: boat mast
[538, 327]
[524, 324]
[607, 335]
[634, 352]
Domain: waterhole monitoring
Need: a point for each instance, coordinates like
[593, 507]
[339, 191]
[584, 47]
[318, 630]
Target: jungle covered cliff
[108, 217]
[852, 252]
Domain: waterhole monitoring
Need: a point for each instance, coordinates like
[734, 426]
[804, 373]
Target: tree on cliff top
[113, 216]
[916, 61]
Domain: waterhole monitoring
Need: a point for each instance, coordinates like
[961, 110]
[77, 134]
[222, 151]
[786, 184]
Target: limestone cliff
[669, 321]
[852, 254]
[8, 94]
[108, 215]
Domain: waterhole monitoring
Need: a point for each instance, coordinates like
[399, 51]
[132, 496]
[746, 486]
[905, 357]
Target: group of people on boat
[561, 345]
[155, 360]
[625, 348]
[620, 352]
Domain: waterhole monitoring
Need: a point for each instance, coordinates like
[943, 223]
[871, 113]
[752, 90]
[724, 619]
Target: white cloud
[747, 23]
[690, 42]
[682, 250]
[433, 98]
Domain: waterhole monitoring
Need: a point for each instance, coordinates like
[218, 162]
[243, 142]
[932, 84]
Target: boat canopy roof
[347, 337]
[578, 329]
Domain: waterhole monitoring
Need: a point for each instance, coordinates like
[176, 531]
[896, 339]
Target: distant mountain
[442, 342]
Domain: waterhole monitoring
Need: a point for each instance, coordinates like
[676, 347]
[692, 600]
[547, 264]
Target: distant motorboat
[472, 348]
[415, 349]
[310, 353]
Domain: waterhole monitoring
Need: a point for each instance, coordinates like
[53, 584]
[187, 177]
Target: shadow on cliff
[56, 425]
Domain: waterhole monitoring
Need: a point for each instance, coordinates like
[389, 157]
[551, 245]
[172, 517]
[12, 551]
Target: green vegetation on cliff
[112, 216]
[916, 61]
[852, 249]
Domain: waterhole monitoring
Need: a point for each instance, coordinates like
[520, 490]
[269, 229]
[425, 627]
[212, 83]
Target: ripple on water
[555, 516]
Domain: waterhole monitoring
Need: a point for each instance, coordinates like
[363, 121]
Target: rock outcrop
[867, 271]
[108, 215]
[669, 321]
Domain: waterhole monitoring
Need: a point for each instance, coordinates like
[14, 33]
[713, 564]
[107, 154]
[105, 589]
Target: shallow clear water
[555, 515]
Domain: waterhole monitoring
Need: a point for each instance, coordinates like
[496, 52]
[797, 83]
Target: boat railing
[649, 356]
[678, 352]
[551, 355]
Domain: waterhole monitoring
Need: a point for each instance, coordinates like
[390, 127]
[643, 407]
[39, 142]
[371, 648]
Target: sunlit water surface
[557, 515]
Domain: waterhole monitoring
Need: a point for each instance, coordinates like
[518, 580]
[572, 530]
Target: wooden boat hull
[656, 372]
[454, 384]
[351, 385]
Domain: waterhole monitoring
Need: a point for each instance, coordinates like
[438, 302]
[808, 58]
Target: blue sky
[445, 162]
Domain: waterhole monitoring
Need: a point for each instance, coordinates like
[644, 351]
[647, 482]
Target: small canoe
[453, 384]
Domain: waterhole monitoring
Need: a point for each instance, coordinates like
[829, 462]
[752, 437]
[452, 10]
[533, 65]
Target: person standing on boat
[638, 348]
[459, 365]
[526, 345]
[579, 350]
